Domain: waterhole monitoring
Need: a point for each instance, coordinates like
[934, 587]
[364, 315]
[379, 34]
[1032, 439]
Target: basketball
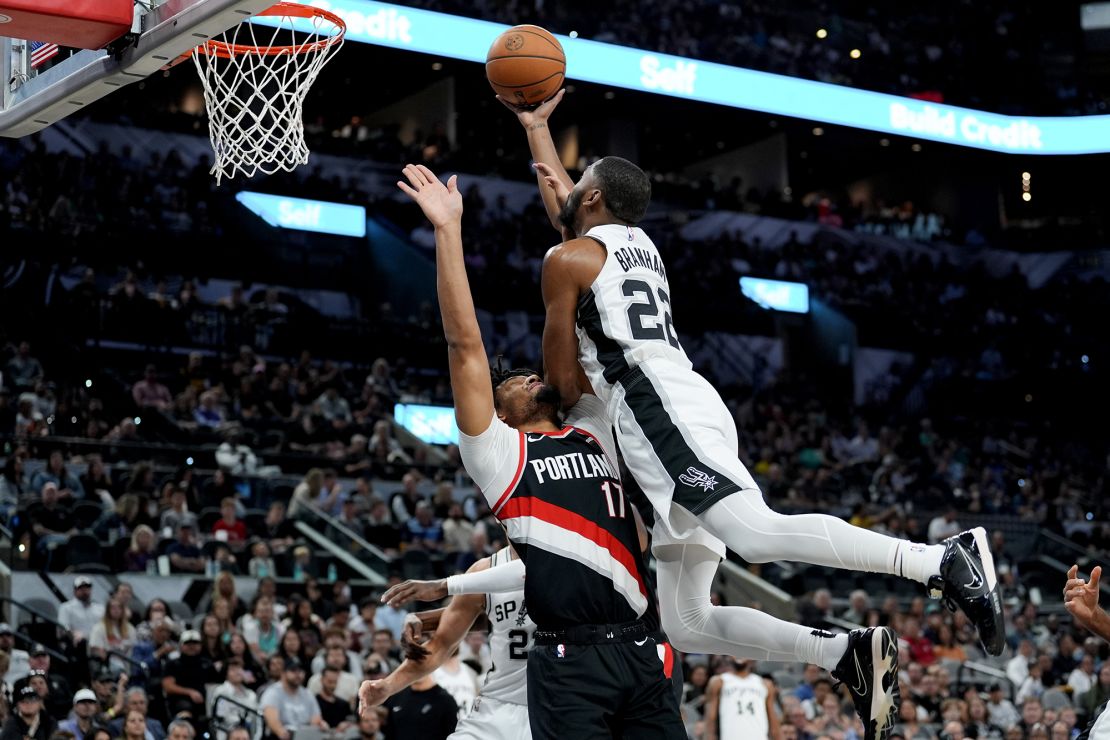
[526, 65]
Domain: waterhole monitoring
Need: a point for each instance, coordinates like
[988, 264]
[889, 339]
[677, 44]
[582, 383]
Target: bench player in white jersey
[609, 308]
[740, 704]
[501, 710]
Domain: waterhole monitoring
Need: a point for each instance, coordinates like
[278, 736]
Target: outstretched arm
[470, 382]
[501, 579]
[456, 620]
[1081, 600]
[560, 342]
[543, 151]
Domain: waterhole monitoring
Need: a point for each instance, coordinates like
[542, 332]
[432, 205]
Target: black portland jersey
[571, 524]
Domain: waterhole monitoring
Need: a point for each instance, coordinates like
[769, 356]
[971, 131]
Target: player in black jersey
[596, 670]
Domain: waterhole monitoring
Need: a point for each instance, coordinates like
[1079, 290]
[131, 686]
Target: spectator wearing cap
[288, 706]
[1000, 710]
[135, 700]
[80, 614]
[186, 676]
[149, 393]
[55, 703]
[19, 664]
[58, 686]
[29, 721]
[84, 715]
[185, 556]
[108, 685]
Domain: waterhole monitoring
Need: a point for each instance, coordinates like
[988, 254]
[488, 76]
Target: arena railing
[216, 722]
[36, 616]
[983, 675]
[342, 554]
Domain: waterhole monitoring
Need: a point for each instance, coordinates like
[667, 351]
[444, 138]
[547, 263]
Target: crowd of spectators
[243, 667]
[971, 54]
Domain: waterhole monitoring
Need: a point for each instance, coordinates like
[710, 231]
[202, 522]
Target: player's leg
[680, 443]
[572, 692]
[865, 659]
[685, 572]
[651, 711]
[494, 720]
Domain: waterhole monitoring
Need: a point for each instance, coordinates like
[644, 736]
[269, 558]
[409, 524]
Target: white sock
[759, 535]
[821, 648]
[916, 561]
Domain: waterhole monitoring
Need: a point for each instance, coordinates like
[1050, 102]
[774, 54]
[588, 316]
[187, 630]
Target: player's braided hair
[626, 188]
[498, 374]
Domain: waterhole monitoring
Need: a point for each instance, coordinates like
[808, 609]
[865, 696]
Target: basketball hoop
[254, 87]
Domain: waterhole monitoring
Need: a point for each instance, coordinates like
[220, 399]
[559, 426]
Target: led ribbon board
[635, 69]
[776, 294]
[433, 425]
[306, 215]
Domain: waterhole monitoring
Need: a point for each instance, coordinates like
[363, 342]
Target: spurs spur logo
[698, 479]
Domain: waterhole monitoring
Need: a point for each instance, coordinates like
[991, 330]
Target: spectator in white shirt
[347, 686]
[944, 526]
[1083, 677]
[1017, 668]
[19, 664]
[80, 614]
[233, 688]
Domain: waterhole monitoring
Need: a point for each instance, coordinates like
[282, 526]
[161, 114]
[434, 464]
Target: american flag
[41, 51]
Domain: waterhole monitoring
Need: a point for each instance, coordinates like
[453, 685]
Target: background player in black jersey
[596, 671]
[609, 314]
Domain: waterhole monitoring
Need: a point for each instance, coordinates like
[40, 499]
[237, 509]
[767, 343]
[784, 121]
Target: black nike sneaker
[968, 580]
[869, 669]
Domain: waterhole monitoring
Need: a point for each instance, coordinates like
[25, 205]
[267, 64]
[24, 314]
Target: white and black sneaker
[869, 669]
[968, 580]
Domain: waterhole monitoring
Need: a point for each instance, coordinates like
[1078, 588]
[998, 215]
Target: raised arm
[543, 150]
[568, 270]
[470, 381]
[456, 620]
[1081, 600]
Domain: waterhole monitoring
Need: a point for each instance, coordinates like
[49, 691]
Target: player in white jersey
[740, 705]
[500, 711]
[609, 312]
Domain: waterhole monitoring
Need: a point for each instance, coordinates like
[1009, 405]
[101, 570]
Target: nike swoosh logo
[641, 643]
[976, 575]
[861, 680]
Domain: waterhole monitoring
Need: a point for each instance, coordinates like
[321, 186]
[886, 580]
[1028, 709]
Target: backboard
[161, 31]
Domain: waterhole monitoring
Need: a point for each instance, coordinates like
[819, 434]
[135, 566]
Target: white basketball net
[254, 90]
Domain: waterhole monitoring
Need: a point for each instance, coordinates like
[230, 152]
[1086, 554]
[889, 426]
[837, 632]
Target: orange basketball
[526, 65]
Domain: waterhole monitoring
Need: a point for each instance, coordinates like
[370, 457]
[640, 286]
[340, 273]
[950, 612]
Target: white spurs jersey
[742, 712]
[510, 639]
[625, 318]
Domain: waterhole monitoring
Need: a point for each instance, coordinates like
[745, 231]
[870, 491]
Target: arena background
[933, 356]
